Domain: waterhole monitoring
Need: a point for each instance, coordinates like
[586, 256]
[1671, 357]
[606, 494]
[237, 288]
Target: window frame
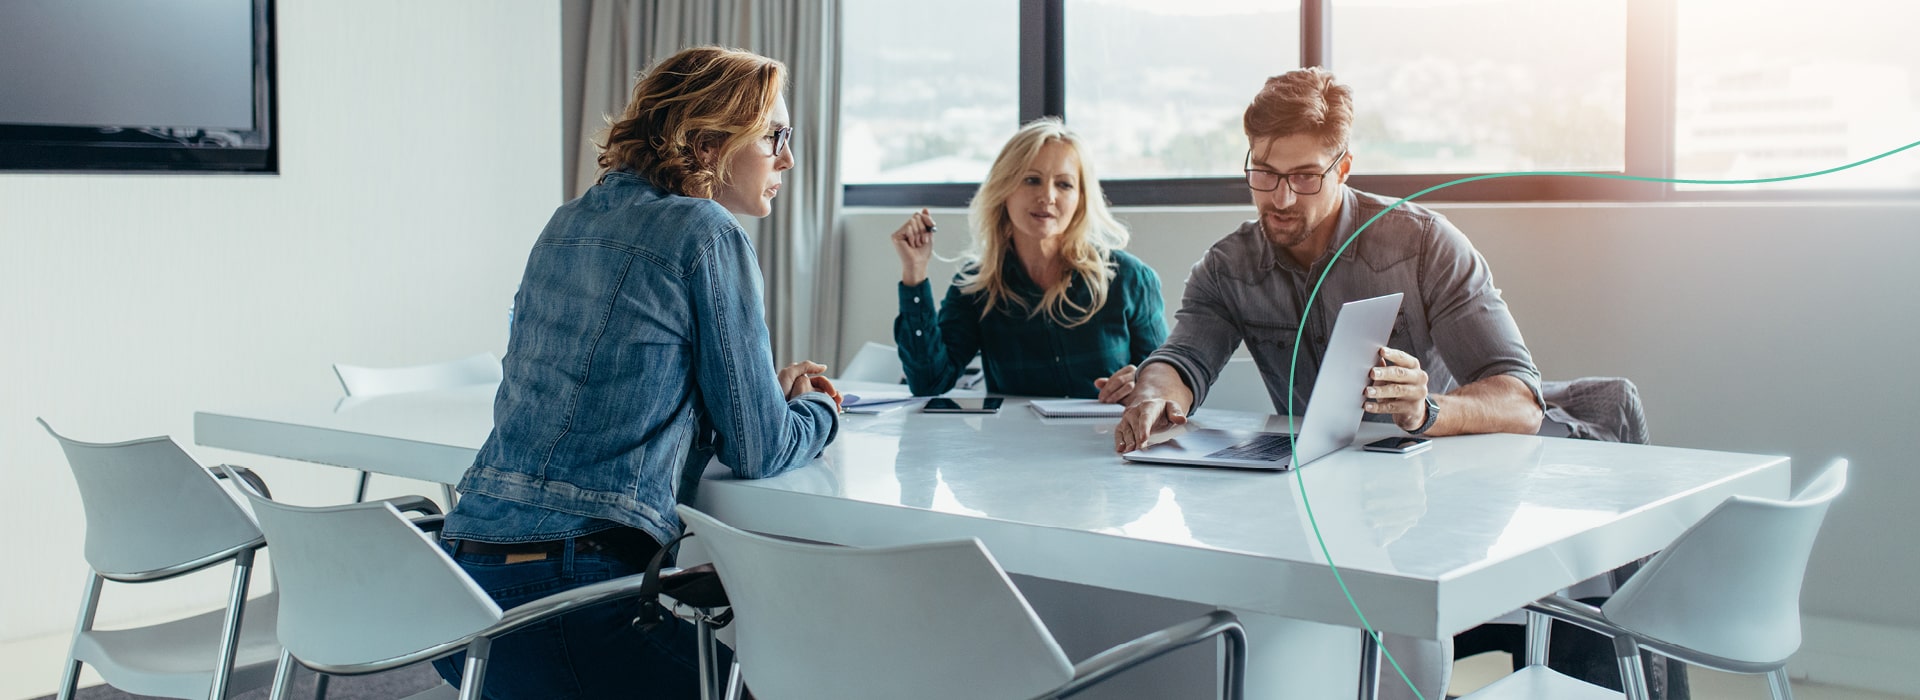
[1651, 66]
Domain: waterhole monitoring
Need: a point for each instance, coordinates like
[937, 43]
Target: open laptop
[1333, 413]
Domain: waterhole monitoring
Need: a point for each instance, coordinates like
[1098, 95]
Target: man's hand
[1399, 389]
[1117, 388]
[1159, 401]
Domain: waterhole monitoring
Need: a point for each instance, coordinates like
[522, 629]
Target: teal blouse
[1030, 355]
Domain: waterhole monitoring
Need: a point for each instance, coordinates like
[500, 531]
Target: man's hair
[707, 98]
[1091, 236]
[1303, 101]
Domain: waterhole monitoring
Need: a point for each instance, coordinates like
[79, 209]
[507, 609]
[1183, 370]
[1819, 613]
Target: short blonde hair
[690, 113]
[1302, 101]
[1092, 232]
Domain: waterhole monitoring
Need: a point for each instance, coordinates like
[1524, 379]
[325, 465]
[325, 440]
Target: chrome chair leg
[1369, 666]
[705, 661]
[1777, 682]
[735, 687]
[1633, 678]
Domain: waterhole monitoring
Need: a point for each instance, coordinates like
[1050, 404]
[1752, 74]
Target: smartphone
[990, 404]
[1399, 445]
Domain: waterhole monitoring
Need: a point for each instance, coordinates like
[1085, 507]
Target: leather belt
[624, 543]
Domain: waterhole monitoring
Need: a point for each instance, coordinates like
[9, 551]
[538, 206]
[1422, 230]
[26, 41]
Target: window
[1701, 89]
[1157, 88]
[929, 90]
[1484, 86]
[1764, 97]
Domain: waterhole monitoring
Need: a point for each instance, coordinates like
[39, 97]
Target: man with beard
[1455, 364]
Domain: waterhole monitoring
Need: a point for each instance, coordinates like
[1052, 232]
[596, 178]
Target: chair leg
[1777, 682]
[1369, 666]
[1233, 685]
[703, 634]
[230, 635]
[320, 683]
[283, 677]
[89, 604]
[1539, 637]
[475, 674]
[360, 494]
[1633, 679]
[735, 687]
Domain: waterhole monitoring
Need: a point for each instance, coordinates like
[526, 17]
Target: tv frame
[143, 149]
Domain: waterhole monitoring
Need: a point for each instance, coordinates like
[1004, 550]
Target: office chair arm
[564, 602]
[1578, 614]
[413, 504]
[241, 473]
[1155, 644]
[429, 523]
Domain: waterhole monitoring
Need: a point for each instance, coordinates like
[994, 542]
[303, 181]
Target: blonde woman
[1047, 297]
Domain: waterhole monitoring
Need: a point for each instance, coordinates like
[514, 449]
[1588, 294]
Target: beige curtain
[799, 243]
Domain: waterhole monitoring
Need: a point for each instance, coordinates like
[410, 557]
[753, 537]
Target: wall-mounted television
[137, 86]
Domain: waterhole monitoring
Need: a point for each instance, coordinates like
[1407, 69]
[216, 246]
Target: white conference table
[1429, 544]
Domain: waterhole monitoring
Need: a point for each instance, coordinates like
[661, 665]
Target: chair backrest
[483, 368]
[938, 620]
[360, 586]
[874, 363]
[1730, 585]
[1240, 388]
[152, 511]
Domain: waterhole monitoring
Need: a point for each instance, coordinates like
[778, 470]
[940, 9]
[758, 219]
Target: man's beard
[1291, 233]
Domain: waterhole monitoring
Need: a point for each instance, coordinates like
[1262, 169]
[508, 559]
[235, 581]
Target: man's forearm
[1497, 404]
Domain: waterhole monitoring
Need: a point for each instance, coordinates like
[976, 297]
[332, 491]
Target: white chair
[874, 363]
[927, 621]
[1725, 595]
[153, 513]
[363, 590]
[1240, 388]
[362, 382]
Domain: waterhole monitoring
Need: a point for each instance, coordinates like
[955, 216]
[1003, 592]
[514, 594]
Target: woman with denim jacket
[639, 349]
[1047, 297]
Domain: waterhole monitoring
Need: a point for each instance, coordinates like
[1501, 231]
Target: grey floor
[392, 685]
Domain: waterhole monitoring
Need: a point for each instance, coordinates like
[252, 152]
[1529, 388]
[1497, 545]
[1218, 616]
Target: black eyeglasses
[1301, 183]
[779, 139]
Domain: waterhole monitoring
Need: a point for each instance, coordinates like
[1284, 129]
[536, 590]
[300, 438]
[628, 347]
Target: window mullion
[1651, 67]
[1316, 33]
[1043, 59]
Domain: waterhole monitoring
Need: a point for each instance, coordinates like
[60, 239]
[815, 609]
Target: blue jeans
[589, 654]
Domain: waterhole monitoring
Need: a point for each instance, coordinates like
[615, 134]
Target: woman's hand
[1117, 388]
[914, 243]
[825, 386]
[797, 378]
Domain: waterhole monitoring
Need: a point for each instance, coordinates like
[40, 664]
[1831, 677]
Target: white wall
[1770, 328]
[420, 156]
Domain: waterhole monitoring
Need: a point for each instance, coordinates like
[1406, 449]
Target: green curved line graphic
[1300, 333]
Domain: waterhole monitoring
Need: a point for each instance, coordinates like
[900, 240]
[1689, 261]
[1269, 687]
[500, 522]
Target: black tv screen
[137, 86]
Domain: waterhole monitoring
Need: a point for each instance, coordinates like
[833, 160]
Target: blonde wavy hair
[690, 113]
[1091, 236]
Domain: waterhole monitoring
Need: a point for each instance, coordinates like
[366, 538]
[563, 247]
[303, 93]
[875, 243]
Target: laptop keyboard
[1269, 447]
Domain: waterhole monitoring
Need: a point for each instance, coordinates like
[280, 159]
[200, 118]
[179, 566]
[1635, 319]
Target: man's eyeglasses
[778, 140]
[1301, 183]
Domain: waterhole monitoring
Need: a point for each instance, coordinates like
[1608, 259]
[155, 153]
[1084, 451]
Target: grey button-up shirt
[1245, 290]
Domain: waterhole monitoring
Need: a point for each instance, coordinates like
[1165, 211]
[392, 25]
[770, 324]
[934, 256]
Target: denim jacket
[1245, 290]
[639, 348]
